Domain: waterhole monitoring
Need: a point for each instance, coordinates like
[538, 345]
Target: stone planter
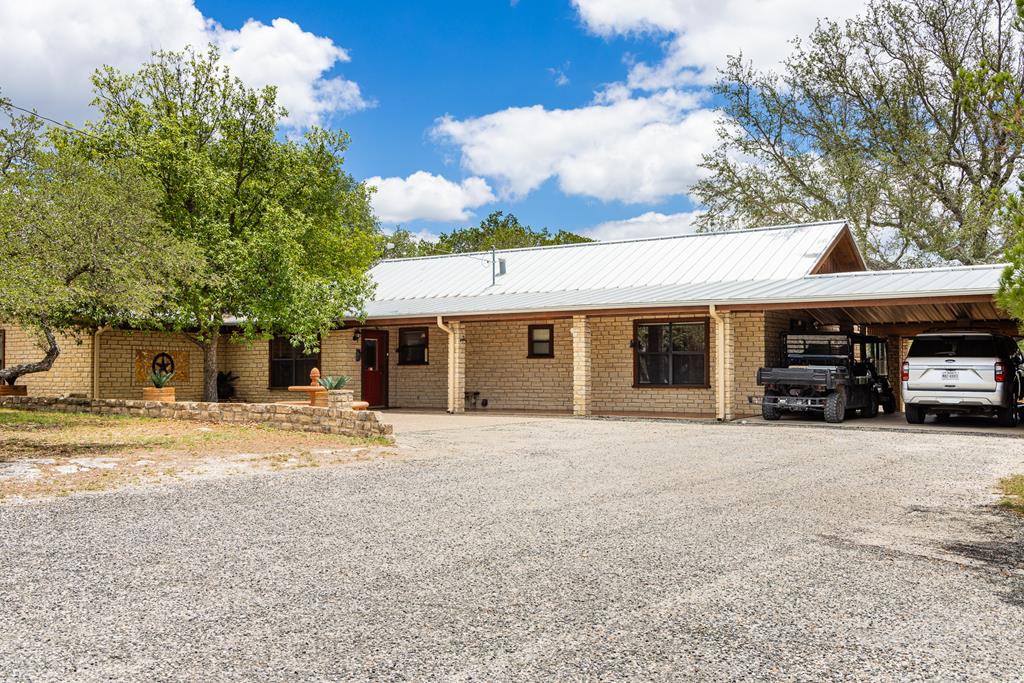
[13, 390]
[153, 394]
[318, 399]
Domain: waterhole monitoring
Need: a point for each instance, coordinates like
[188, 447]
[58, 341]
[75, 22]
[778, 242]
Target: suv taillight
[1000, 372]
[905, 372]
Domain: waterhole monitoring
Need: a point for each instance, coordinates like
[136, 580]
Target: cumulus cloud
[49, 49]
[701, 34]
[650, 224]
[425, 196]
[617, 148]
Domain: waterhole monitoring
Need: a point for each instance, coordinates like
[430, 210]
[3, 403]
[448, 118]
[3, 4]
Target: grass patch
[1012, 489]
[39, 419]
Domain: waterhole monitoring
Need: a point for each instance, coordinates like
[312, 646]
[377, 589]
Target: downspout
[719, 362]
[451, 340]
[96, 361]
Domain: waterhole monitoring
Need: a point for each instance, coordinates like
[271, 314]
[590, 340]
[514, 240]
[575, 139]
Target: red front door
[375, 368]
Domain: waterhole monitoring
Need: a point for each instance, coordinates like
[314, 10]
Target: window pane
[370, 354]
[412, 338]
[281, 373]
[653, 368]
[688, 368]
[688, 337]
[281, 347]
[652, 338]
[303, 368]
[541, 333]
[541, 348]
[412, 347]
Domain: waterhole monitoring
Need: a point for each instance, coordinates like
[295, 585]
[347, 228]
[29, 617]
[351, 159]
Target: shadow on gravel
[1002, 555]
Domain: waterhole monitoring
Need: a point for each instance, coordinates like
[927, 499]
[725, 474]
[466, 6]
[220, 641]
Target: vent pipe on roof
[497, 266]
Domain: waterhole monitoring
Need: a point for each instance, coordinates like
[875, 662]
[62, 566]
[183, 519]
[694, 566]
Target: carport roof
[871, 288]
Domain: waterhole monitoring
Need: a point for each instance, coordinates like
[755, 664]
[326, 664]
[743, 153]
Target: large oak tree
[285, 234]
[866, 121]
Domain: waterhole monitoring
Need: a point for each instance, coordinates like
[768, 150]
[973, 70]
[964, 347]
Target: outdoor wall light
[355, 336]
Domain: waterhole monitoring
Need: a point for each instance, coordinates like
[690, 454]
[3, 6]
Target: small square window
[541, 341]
[412, 346]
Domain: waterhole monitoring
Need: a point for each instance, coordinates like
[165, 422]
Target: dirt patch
[57, 454]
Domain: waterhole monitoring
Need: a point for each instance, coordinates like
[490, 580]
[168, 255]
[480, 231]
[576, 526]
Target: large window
[412, 346]
[541, 341]
[671, 354]
[290, 366]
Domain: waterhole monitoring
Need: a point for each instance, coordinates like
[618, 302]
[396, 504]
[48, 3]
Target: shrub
[160, 379]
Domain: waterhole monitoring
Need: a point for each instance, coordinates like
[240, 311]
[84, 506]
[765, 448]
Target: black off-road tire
[770, 411]
[915, 414]
[889, 405]
[835, 407]
[872, 409]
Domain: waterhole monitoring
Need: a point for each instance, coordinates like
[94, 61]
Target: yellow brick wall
[71, 372]
[498, 367]
[117, 363]
[419, 386]
[612, 374]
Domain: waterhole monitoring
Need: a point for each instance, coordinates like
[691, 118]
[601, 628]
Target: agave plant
[334, 382]
[160, 379]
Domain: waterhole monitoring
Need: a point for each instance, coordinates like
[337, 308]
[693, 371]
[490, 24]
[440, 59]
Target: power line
[33, 113]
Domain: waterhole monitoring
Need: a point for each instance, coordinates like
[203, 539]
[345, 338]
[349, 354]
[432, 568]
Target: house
[666, 325]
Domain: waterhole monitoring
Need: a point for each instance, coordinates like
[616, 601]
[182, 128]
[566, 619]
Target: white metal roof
[920, 284]
[776, 253]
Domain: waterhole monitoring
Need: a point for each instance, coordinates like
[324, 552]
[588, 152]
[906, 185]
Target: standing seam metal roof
[745, 255]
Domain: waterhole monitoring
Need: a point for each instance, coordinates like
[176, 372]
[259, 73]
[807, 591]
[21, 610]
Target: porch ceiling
[925, 312]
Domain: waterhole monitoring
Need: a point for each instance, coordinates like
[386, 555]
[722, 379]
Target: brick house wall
[71, 372]
[117, 350]
[497, 366]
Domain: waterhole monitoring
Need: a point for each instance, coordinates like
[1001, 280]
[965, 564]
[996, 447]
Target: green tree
[866, 122]
[499, 230]
[80, 241]
[285, 234]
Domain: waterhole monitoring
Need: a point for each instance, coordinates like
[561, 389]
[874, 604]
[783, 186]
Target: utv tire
[915, 415]
[835, 407]
[872, 409]
[889, 405]
[770, 411]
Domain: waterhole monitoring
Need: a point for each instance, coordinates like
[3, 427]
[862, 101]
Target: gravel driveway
[538, 549]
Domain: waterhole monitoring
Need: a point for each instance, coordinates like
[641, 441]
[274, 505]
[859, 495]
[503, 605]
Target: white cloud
[425, 196]
[628, 149]
[704, 33]
[650, 224]
[49, 49]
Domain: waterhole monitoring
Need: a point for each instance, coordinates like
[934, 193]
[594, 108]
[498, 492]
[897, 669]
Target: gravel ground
[538, 550]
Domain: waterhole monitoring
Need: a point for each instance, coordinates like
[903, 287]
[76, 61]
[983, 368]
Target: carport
[896, 305]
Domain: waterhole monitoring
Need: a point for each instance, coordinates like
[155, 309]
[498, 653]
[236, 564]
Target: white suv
[962, 372]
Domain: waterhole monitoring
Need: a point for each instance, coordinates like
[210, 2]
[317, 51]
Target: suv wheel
[1008, 417]
[915, 415]
[835, 407]
[770, 411]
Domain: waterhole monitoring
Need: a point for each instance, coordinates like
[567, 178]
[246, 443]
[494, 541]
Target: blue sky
[587, 115]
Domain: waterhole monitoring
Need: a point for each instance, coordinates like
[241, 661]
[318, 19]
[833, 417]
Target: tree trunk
[210, 368]
[11, 374]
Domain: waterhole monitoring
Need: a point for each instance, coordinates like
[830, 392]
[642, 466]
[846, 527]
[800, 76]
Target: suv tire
[835, 407]
[771, 411]
[915, 415]
[1008, 417]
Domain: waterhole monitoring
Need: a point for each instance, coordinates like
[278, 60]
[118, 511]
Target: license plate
[951, 375]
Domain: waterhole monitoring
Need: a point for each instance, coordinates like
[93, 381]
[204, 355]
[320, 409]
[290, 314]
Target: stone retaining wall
[338, 418]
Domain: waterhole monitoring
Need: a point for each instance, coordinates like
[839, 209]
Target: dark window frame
[706, 322]
[3, 349]
[297, 356]
[426, 346]
[550, 340]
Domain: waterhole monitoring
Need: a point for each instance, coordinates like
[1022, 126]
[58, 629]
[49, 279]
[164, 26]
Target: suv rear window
[969, 347]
